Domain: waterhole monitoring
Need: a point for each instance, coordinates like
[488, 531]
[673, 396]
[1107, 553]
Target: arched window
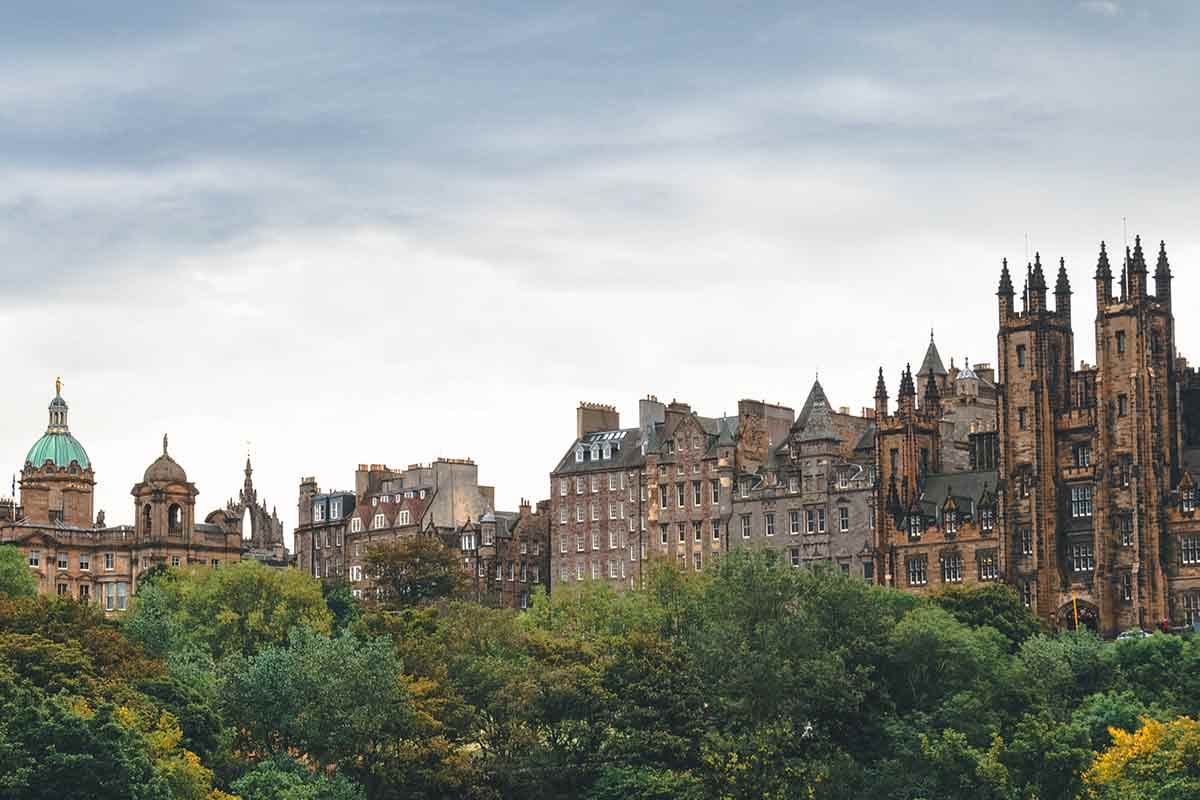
[175, 520]
[147, 519]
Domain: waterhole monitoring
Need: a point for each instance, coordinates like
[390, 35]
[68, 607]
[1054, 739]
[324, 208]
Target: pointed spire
[906, 382]
[1063, 284]
[1138, 264]
[1163, 268]
[932, 395]
[1103, 271]
[1006, 284]
[880, 387]
[932, 363]
[1039, 279]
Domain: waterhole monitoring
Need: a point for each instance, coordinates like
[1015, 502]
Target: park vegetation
[751, 680]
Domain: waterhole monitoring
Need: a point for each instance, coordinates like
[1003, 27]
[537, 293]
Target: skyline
[384, 234]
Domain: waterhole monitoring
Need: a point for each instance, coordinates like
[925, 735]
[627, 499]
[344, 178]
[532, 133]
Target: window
[85, 562]
[562, 515]
[820, 520]
[868, 570]
[843, 519]
[318, 512]
[562, 487]
[1082, 557]
[335, 509]
[579, 543]
[357, 549]
[1020, 355]
[987, 519]
[339, 538]
[810, 521]
[595, 570]
[681, 530]
[662, 535]
[662, 495]
[595, 483]
[612, 510]
[612, 538]
[62, 560]
[698, 532]
[1021, 418]
[745, 487]
[35, 558]
[607, 451]
[109, 562]
[174, 561]
[679, 495]
[918, 570]
[1082, 453]
[716, 491]
[564, 573]
[1026, 590]
[378, 522]
[579, 484]
[595, 539]
[595, 453]
[949, 522]
[523, 574]
[745, 526]
[216, 562]
[1120, 341]
[1187, 500]
[356, 573]
[952, 565]
[794, 555]
[1081, 501]
[356, 525]
[1122, 405]
[793, 484]
[595, 511]
[613, 480]
[843, 479]
[871, 517]
[1189, 549]
[696, 493]
[579, 512]
[697, 561]
[110, 596]
[716, 530]
[916, 527]
[1126, 587]
[1126, 523]
[578, 570]
[987, 567]
[769, 523]
[535, 574]
[578, 455]
[794, 522]
[1191, 607]
[1025, 536]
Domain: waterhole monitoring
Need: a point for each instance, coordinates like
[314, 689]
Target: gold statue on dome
[58, 385]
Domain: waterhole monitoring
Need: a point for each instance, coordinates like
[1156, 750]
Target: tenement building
[74, 554]
[1092, 511]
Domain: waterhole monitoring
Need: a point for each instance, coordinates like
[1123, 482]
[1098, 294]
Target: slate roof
[966, 487]
[626, 451]
[932, 362]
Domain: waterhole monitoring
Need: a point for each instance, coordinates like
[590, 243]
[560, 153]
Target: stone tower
[57, 480]
[164, 502]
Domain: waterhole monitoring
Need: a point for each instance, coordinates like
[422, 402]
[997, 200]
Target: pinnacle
[1103, 271]
[1006, 284]
[1063, 284]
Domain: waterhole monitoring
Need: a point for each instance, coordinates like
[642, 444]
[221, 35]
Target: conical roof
[933, 361]
[818, 417]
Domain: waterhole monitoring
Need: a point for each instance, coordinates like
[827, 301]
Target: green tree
[414, 570]
[341, 603]
[284, 778]
[237, 609]
[15, 578]
[996, 605]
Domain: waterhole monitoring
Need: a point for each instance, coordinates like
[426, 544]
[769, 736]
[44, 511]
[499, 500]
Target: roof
[818, 421]
[867, 440]
[932, 362]
[60, 448]
[624, 451]
[967, 488]
[165, 469]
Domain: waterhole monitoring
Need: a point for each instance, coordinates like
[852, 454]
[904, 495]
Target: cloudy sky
[386, 231]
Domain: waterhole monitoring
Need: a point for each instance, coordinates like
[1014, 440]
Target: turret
[1037, 286]
[1062, 292]
[908, 392]
[881, 396]
[1005, 293]
[933, 398]
[1104, 279]
[1162, 275]
[1137, 272]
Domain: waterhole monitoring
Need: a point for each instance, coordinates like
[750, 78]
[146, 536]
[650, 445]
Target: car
[1132, 633]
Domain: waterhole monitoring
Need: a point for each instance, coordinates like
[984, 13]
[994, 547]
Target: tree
[1161, 761]
[341, 603]
[415, 570]
[996, 605]
[285, 778]
[15, 578]
[237, 609]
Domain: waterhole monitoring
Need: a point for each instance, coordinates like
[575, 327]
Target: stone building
[1086, 500]
[74, 555]
[507, 555]
[812, 499]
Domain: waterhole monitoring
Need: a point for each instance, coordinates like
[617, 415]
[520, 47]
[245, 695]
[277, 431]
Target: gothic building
[1086, 499]
[74, 555]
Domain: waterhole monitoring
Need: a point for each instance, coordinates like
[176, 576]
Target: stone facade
[507, 556]
[1084, 496]
[75, 556]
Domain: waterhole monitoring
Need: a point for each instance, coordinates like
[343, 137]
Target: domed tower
[165, 501]
[57, 480]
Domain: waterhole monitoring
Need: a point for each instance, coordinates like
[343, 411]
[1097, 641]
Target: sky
[332, 233]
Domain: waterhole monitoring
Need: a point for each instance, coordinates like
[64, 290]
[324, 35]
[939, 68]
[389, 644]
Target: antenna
[1027, 247]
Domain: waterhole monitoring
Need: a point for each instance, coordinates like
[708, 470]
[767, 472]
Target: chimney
[650, 412]
[594, 417]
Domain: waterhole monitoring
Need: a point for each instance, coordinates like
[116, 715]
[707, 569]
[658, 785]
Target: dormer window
[578, 455]
[987, 519]
[405, 517]
[607, 451]
[379, 522]
[356, 525]
[335, 509]
[949, 522]
[916, 527]
[595, 452]
[318, 512]
[1187, 500]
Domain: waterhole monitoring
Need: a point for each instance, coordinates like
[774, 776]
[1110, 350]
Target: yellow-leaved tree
[1160, 761]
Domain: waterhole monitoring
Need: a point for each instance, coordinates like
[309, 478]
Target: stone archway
[1089, 616]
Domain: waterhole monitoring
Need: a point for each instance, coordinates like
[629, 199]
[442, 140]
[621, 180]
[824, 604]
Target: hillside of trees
[751, 680]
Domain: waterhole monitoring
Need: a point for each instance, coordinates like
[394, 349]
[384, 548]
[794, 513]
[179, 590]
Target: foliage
[996, 605]
[414, 570]
[233, 610]
[1160, 761]
[285, 778]
[16, 580]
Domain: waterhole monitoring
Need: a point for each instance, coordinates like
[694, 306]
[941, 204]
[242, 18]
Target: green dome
[61, 448]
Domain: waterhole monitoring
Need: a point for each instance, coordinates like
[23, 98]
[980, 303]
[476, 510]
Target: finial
[164, 444]
[931, 335]
[58, 386]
